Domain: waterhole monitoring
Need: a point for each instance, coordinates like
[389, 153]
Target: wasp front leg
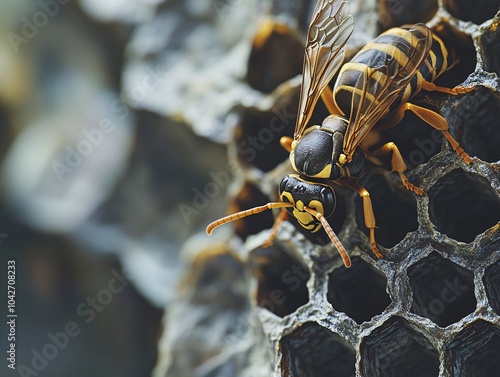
[398, 165]
[277, 223]
[368, 214]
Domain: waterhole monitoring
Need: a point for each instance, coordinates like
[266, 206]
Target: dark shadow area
[359, 291]
[442, 290]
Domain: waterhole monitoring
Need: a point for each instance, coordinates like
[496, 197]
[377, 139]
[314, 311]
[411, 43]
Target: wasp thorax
[301, 193]
[318, 152]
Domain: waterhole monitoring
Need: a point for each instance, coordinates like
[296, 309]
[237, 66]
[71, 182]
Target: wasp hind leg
[430, 86]
[398, 165]
[439, 123]
[367, 213]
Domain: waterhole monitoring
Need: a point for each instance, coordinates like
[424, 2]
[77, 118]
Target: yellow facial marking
[289, 196]
[317, 206]
[305, 219]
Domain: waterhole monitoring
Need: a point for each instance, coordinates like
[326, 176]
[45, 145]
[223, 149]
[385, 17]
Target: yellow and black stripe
[375, 54]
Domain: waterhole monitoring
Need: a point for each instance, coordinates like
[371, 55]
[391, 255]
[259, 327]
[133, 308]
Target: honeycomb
[431, 306]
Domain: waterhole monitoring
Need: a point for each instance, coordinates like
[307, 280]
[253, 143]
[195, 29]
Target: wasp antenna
[246, 213]
[342, 251]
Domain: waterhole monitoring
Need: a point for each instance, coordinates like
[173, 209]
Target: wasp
[372, 92]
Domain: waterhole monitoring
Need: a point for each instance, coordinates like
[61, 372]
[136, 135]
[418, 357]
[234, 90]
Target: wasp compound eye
[283, 185]
[327, 198]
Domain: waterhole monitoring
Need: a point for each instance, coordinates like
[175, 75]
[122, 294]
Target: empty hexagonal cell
[276, 56]
[442, 290]
[490, 42]
[394, 207]
[491, 280]
[282, 280]
[359, 291]
[215, 276]
[474, 118]
[474, 351]
[314, 351]
[400, 12]
[460, 49]
[257, 135]
[249, 197]
[463, 205]
[475, 11]
[396, 349]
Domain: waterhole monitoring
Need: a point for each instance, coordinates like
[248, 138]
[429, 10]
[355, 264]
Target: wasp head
[318, 197]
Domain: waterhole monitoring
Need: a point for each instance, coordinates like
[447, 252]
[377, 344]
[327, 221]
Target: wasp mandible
[373, 89]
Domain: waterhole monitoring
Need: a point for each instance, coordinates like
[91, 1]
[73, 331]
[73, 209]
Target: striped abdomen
[375, 54]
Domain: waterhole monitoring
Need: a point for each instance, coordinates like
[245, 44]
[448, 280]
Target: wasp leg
[430, 86]
[398, 165]
[368, 214]
[279, 220]
[286, 143]
[395, 119]
[434, 120]
[439, 123]
[327, 98]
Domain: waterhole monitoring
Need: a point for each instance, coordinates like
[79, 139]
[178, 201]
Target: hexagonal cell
[276, 56]
[485, 361]
[460, 49]
[396, 349]
[474, 351]
[463, 205]
[313, 351]
[490, 42]
[394, 207]
[491, 280]
[359, 291]
[257, 135]
[395, 13]
[474, 11]
[282, 280]
[474, 121]
[442, 290]
[215, 276]
[249, 197]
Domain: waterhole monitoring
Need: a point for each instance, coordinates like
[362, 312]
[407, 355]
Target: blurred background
[103, 150]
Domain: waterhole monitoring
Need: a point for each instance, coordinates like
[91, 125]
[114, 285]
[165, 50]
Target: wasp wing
[377, 87]
[329, 31]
